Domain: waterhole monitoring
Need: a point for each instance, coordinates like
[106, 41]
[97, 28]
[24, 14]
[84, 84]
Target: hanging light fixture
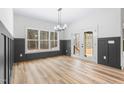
[59, 26]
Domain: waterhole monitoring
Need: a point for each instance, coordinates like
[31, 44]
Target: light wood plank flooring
[64, 70]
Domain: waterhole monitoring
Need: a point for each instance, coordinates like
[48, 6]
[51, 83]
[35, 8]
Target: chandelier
[59, 26]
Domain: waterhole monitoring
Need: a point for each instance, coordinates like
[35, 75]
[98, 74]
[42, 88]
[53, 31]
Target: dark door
[68, 47]
[109, 51]
[114, 52]
[102, 51]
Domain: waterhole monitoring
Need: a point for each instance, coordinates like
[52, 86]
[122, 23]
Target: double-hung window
[53, 40]
[41, 41]
[32, 39]
[44, 40]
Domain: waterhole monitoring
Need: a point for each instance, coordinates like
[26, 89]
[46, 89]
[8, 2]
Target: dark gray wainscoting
[65, 47]
[19, 48]
[109, 51]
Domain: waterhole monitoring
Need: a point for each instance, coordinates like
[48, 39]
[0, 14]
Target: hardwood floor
[64, 70]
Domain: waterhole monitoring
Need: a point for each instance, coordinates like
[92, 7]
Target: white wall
[106, 21]
[6, 17]
[21, 23]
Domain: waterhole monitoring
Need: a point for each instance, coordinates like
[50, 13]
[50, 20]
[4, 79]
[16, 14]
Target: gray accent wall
[65, 46]
[19, 48]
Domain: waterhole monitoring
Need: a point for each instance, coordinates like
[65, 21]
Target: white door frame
[95, 32]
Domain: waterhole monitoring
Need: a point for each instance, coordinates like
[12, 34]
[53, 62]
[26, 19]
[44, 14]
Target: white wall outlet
[21, 55]
[122, 68]
[104, 57]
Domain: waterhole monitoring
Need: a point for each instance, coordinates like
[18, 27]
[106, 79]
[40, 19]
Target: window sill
[40, 51]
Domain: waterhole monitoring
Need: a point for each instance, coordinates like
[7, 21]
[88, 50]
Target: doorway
[87, 43]
[76, 45]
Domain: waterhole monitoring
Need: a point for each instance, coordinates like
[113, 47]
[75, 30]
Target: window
[53, 40]
[39, 41]
[32, 39]
[44, 40]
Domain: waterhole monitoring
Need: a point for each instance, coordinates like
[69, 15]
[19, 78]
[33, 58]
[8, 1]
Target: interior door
[102, 51]
[82, 45]
[114, 52]
[109, 51]
[88, 45]
[7, 59]
[1, 59]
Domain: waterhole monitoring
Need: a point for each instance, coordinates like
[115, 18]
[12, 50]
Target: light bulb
[58, 26]
[65, 26]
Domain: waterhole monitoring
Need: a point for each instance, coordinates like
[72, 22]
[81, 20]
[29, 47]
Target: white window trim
[39, 51]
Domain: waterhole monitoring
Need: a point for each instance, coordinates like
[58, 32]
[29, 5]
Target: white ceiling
[69, 15]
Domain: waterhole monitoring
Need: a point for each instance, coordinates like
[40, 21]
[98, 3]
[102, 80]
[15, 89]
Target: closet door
[1, 59]
[109, 51]
[7, 59]
[11, 54]
[102, 51]
[114, 52]
[10, 58]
